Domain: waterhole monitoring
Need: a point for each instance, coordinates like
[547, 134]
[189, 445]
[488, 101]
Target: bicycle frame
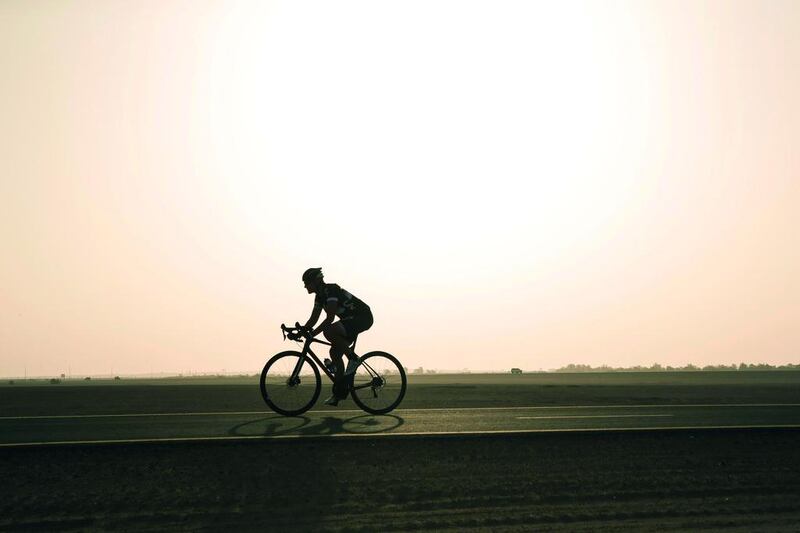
[308, 351]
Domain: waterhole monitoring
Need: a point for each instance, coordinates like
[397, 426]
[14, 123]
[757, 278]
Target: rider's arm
[330, 310]
[313, 318]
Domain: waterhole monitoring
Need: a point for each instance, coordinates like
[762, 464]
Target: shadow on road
[272, 425]
[328, 425]
[361, 424]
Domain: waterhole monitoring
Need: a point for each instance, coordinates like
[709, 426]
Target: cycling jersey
[347, 305]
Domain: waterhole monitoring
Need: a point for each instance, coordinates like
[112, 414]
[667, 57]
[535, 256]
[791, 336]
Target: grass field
[687, 480]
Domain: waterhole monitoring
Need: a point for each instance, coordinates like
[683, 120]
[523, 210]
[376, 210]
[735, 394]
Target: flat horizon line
[431, 372]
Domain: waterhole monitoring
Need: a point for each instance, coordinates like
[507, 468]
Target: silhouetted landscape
[332, 480]
[546, 253]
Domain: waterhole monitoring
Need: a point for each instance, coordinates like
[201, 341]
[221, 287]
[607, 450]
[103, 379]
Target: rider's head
[312, 279]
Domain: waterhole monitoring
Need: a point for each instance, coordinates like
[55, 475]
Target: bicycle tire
[289, 399]
[392, 385]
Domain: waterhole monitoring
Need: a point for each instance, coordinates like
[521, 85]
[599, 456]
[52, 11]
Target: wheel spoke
[287, 390]
[385, 378]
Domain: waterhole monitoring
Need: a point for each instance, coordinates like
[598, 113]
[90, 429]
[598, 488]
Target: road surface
[16, 431]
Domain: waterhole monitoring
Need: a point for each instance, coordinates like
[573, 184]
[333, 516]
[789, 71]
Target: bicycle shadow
[355, 425]
[273, 425]
[329, 425]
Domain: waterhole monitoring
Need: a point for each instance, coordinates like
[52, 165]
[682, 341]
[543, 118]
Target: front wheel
[290, 383]
[379, 383]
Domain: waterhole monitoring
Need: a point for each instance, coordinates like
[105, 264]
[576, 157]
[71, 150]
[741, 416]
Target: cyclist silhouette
[354, 317]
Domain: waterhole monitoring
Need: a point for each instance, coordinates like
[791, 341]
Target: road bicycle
[291, 383]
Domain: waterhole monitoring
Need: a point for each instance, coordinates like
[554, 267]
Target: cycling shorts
[355, 324]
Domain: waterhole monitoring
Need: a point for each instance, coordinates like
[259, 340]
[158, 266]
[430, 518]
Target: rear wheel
[290, 383]
[379, 383]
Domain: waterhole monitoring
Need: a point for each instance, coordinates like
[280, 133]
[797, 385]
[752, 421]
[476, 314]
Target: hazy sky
[505, 183]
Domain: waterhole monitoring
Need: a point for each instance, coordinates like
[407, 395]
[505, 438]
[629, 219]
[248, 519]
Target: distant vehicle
[516, 371]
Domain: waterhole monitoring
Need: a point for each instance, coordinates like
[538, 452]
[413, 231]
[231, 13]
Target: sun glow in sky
[505, 183]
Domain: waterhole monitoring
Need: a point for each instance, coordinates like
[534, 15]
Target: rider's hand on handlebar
[297, 332]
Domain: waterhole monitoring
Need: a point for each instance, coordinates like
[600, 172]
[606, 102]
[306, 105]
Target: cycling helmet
[312, 274]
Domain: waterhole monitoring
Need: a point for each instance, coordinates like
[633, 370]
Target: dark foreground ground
[698, 480]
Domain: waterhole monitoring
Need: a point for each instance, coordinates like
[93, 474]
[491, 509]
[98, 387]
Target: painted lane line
[586, 416]
[385, 435]
[617, 406]
[411, 410]
[134, 415]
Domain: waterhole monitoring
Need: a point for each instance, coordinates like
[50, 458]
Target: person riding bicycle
[354, 317]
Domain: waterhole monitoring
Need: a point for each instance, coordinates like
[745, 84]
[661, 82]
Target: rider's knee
[328, 332]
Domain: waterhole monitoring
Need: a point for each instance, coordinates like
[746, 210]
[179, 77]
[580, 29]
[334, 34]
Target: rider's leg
[336, 357]
[336, 335]
[340, 344]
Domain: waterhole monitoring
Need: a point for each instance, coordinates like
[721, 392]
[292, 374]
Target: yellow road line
[586, 416]
[384, 435]
[411, 410]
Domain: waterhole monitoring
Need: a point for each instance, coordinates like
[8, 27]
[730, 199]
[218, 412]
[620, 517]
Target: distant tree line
[656, 367]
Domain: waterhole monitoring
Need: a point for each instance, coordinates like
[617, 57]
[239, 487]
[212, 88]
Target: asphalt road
[52, 430]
